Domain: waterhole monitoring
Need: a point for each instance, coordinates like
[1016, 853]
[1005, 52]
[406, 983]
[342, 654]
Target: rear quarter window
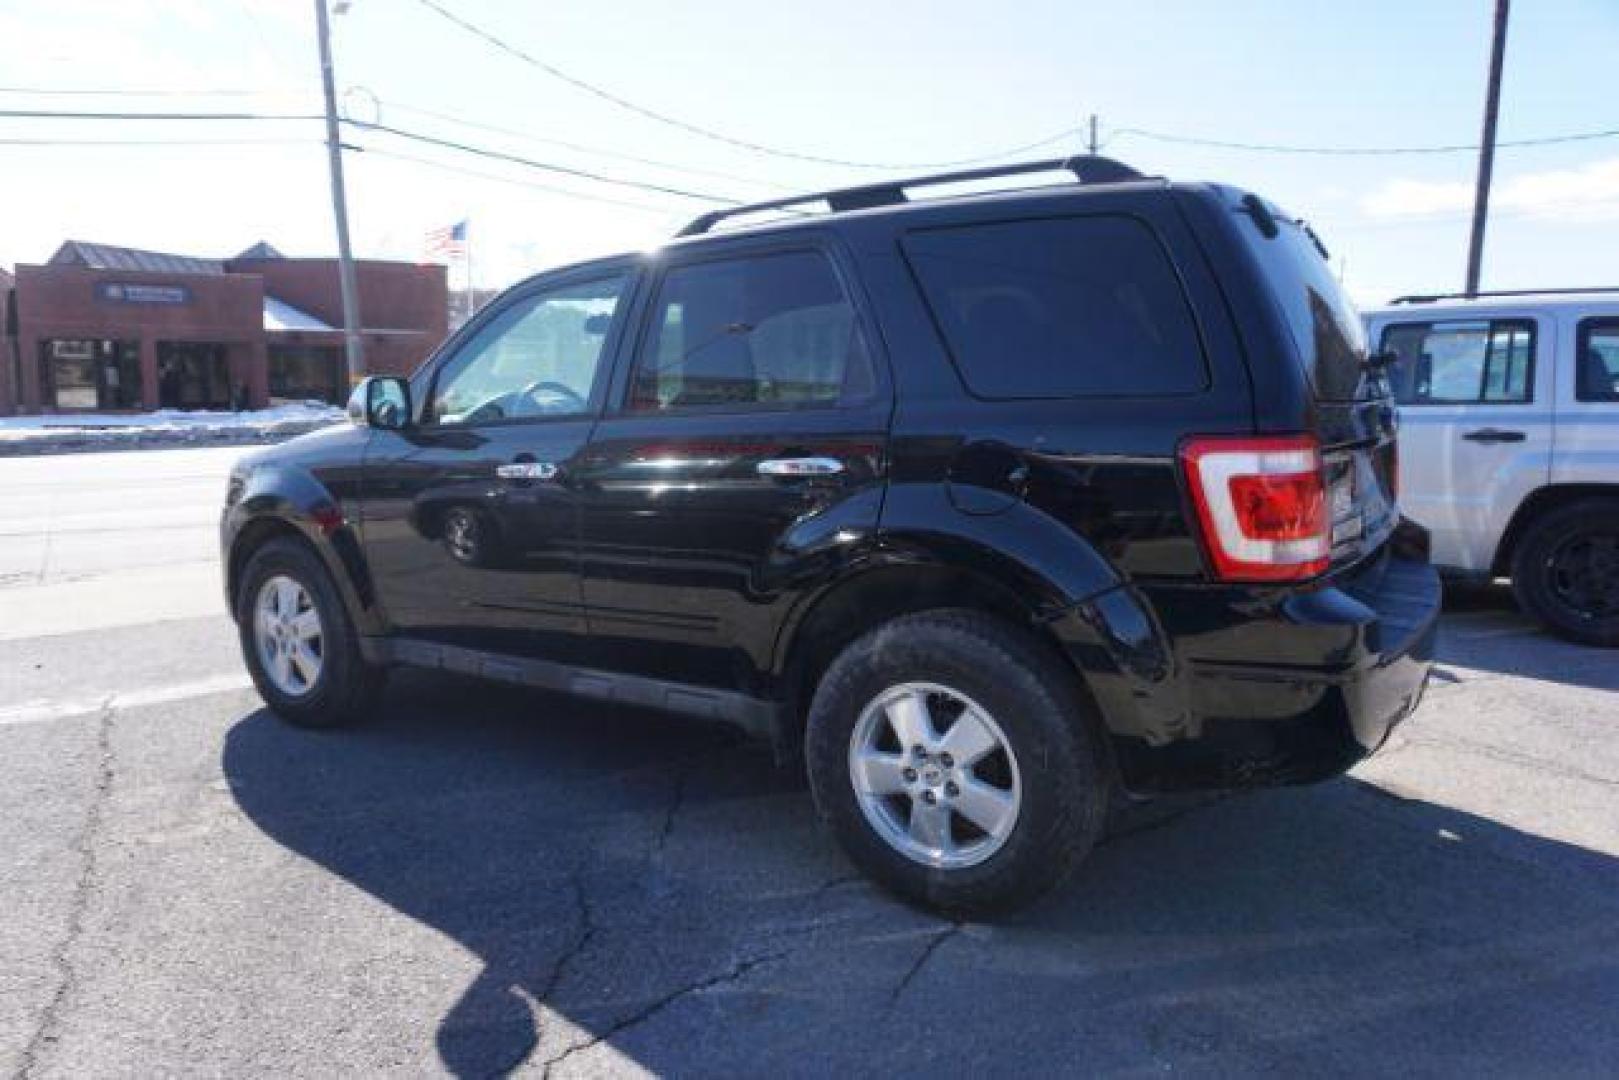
[1596, 377]
[1059, 308]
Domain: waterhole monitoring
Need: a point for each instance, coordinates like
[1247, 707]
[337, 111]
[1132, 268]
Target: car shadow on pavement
[1485, 632]
[643, 890]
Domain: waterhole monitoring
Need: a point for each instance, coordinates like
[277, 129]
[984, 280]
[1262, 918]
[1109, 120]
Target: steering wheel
[554, 388]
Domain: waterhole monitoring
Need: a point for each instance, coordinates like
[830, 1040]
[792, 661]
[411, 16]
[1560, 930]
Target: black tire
[1033, 698]
[347, 688]
[1540, 578]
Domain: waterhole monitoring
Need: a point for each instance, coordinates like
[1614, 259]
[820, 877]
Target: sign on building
[121, 292]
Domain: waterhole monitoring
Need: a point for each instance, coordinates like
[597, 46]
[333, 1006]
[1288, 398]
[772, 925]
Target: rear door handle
[800, 466]
[1494, 435]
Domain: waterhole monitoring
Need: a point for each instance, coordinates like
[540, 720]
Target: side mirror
[380, 401]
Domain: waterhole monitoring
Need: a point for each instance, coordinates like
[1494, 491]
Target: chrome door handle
[800, 466]
[1494, 435]
[527, 470]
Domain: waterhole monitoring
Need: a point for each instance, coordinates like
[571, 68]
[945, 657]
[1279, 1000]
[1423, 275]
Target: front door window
[536, 359]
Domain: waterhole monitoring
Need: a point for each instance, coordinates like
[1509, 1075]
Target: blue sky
[895, 82]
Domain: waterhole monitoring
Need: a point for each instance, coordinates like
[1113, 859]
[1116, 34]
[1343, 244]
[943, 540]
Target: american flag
[449, 242]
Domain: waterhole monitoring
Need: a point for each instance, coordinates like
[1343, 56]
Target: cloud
[1587, 193]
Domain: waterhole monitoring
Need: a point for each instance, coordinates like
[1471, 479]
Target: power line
[1350, 151]
[516, 159]
[373, 151]
[388, 129]
[708, 133]
[159, 142]
[56, 114]
[476, 125]
[126, 91]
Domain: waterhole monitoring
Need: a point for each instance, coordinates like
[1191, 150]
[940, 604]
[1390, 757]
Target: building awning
[280, 315]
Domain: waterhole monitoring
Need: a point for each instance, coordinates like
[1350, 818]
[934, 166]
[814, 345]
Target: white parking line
[35, 712]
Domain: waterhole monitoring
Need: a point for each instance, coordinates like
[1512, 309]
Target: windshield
[1325, 326]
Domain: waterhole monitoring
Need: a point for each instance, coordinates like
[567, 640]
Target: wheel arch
[1541, 501]
[914, 577]
[284, 504]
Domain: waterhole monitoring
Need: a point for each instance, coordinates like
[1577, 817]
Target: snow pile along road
[77, 432]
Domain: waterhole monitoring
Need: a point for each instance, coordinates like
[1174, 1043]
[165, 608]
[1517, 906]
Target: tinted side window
[1462, 362]
[1059, 308]
[1597, 376]
[537, 358]
[752, 332]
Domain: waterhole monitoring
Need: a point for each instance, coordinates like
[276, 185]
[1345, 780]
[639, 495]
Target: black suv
[988, 507]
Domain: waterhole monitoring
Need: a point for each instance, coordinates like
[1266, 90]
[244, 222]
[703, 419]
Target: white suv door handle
[1494, 435]
[527, 470]
[800, 466]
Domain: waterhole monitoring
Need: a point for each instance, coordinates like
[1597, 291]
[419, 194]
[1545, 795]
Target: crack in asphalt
[836, 883]
[61, 958]
[677, 800]
[585, 930]
[940, 936]
[1510, 757]
[735, 973]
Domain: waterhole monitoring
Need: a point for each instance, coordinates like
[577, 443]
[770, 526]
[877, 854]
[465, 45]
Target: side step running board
[755, 716]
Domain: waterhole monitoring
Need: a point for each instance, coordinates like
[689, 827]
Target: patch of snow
[303, 412]
[75, 433]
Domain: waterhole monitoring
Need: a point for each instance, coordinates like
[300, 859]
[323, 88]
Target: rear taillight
[1394, 469]
[1262, 506]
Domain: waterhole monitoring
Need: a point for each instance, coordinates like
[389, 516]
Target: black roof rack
[1582, 290]
[1087, 169]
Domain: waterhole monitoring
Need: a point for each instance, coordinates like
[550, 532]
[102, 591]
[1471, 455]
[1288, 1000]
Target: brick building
[101, 328]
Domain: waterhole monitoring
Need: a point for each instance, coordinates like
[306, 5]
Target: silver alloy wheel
[944, 798]
[460, 533]
[289, 635]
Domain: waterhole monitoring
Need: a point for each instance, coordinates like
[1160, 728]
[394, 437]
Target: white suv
[1509, 443]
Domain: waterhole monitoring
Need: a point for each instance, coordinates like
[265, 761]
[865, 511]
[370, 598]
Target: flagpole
[472, 288]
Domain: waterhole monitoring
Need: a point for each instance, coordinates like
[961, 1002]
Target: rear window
[1325, 327]
[1059, 308]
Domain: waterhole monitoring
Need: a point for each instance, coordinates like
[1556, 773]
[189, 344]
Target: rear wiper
[1314, 239]
[1381, 360]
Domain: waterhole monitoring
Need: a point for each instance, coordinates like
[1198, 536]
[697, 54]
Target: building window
[192, 375]
[91, 374]
[306, 373]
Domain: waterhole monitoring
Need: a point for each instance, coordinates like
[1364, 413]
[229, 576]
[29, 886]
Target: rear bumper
[1264, 687]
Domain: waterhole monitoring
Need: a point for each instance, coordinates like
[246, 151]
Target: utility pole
[1486, 150]
[353, 346]
[1091, 142]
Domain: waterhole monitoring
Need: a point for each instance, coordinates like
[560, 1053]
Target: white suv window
[1462, 362]
[1597, 375]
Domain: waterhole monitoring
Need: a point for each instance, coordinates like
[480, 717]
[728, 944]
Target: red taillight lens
[1262, 506]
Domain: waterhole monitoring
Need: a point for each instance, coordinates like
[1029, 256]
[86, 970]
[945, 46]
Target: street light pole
[1486, 150]
[354, 347]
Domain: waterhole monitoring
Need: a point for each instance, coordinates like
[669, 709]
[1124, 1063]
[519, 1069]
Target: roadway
[484, 881]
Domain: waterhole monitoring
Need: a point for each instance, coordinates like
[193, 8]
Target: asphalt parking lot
[484, 881]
